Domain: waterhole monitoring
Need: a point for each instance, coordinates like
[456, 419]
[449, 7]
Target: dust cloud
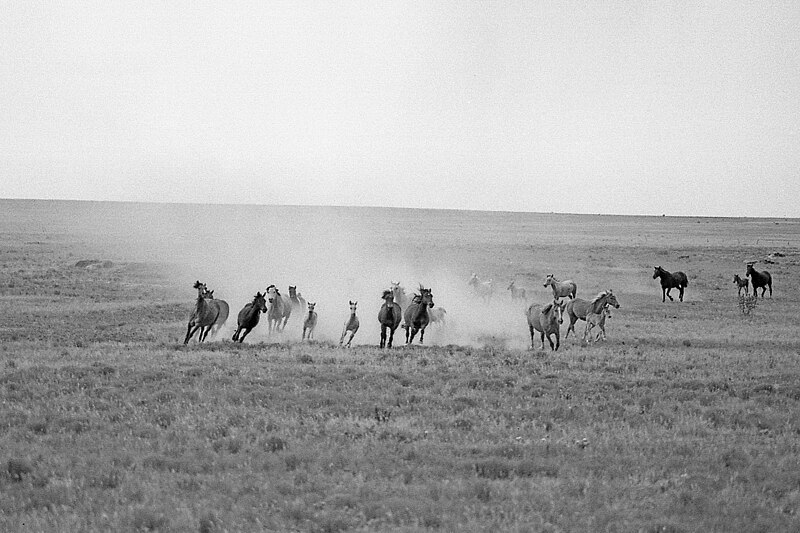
[332, 255]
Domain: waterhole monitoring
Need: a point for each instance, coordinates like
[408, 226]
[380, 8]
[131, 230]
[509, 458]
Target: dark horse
[389, 316]
[760, 280]
[203, 316]
[669, 281]
[249, 316]
[417, 316]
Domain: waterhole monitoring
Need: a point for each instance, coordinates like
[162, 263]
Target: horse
[575, 309]
[596, 314]
[742, 284]
[438, 315]
[482, 289]
[561, 288]
[224, 310]
[249, 316]
[351, 325]
[399, 292]
[670, 281]
[416, 316]
[204, 315]
[279, 309]
[516, 293]
[310, 322]
[760, 280]
[389, 317]
[296, 299]
[546, 321]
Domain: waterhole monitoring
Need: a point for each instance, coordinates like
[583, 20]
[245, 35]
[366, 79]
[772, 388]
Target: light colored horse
[224, 311]
[279, 309]
[249, 317]
[310, 322]
[517, 293]
[561, 288]
[438, 315]
[482, 289]
[416, 317]
[389, 317]
[399, 293]
[350, 325]
[596, 314]
[203, 316]
[547, 322]
[577, 309]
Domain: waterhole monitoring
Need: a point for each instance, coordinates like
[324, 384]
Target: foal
[351, 325]
[310, 322]
[742, 284]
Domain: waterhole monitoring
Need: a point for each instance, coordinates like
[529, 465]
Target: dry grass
[686, 419]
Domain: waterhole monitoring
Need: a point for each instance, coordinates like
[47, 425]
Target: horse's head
[657, 271]
[425, 296]
[558, 307]
[311, 306]
[208, 295]
[750, 269]
[388, 295]
[260, 302]
[548, 280]
[611, 299]
[292, 291]
[353, 306]
[272, 293]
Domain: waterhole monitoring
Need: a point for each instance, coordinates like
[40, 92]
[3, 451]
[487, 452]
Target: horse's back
[224, 311]
[577, 307]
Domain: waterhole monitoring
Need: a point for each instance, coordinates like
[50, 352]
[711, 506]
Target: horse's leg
[236, 335]
[680, 295]
[543, 340]
[391, 337]
[532, 336]
[669, 295]
[558, 341]
[244, 334]
[189, 333]
[383, 336]
[770, 289]
[421, 335]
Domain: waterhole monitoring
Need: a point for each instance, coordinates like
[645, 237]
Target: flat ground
[686, 419]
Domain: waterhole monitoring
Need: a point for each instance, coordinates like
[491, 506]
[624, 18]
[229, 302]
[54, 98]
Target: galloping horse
[204, 315]
[482, 289]
[742, 284]
[561, 288]
[310, 322]
[596, 314]
[670, 281]
[389, 317]
[576, 309]
[351, 325]
[279, 309]
[416, 316]
[759, 280]
[438, 315]
[249, 316]
[546, 321]
[516, 293]
[296, 299]
[224, 310]
[399, 293]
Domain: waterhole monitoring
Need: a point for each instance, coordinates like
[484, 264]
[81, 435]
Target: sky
[677, 108]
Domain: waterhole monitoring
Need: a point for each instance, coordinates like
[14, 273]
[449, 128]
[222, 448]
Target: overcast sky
[683, 108]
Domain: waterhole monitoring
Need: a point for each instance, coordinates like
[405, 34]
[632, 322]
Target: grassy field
[686, 419]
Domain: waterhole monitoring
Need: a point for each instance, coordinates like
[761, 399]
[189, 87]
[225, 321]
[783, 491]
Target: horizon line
[353, 206]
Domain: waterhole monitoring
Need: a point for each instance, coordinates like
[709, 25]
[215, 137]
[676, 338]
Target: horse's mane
[386, 293]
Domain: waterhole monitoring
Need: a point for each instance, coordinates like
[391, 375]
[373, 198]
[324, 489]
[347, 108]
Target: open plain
[687, 418]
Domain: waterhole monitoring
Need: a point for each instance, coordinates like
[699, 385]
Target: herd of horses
[210, 314]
